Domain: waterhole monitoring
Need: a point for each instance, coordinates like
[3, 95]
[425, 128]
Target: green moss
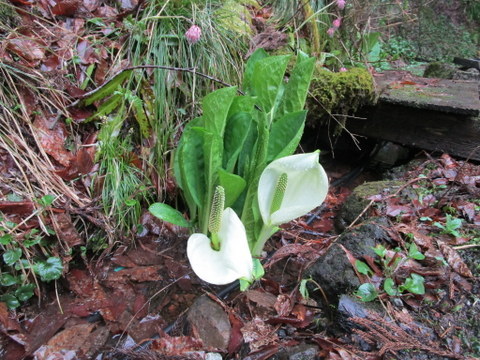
[439, 70]
[339, 93]
[235, 17]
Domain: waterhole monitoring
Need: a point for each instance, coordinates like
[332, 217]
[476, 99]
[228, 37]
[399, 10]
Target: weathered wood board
[433, 114]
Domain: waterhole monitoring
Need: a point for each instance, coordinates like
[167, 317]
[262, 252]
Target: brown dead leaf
[52, 134]
[454, 260]
[86, 52]
[8, 324]
[21, 208]
[27, 49]
[236, 338]
[51, 63]
[66, 8]
[261, 298]
[65, 229]
[420, 238]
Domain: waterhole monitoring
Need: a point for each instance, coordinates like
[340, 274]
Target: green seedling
[451, 226]
[413, 284]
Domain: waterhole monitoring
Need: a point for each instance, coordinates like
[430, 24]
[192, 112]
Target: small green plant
[413, 284]
[451, 226]
[19, 265]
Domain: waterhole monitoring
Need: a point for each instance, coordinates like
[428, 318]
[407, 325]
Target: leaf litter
[121, 296]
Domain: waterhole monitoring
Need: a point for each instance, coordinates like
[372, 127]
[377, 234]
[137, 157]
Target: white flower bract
[233, 261]
[306, 189]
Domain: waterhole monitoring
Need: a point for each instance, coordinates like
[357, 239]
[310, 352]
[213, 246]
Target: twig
[162, 67]
[463, 247]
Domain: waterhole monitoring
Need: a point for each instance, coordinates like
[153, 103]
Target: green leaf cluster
[238, 135]
[451, 226]
[15, 286]
[414, 284]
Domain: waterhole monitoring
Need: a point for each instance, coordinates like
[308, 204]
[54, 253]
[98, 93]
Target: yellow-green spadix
[231, 262]
[303, 182]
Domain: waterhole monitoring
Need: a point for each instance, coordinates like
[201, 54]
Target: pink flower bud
[337, 22]
[330, 32]
[342, 69]
[341, 4]
[193, 34]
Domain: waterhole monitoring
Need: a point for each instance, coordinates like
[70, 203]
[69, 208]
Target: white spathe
[233, 261]
[307, 187]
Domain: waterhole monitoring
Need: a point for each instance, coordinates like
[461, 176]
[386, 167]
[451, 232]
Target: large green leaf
[296, 89]
[215, 109]
[167, 213]
[285, 135]
[233, 185]
[267, 80]
[191, 166]
[236, 133]
[248, 75]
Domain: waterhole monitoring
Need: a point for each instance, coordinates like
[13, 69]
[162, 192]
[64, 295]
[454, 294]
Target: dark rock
[210, 323]
[388, 155]
[358, 201]
[333, 270]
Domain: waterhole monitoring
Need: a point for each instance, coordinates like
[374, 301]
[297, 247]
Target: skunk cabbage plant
[240, 152]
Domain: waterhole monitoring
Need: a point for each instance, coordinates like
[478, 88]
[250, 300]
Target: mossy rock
[440, 70]
[339, 93]
[359, 200]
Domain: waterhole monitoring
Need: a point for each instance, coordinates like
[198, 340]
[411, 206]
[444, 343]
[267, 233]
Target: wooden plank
[467, 63]
[449, 96]
[423, 128]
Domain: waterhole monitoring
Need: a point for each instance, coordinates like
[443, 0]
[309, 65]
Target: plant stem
[265, 234]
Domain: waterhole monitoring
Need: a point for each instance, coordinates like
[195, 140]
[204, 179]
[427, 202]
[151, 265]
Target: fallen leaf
[66, 8]
[236, 338]
[21, 208]
[65, 229]
[28, 49]
[261, 298]
[455, 261]
[52, 134]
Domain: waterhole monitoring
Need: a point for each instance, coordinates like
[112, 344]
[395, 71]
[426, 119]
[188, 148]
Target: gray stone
[213, 356]
[210, 323]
